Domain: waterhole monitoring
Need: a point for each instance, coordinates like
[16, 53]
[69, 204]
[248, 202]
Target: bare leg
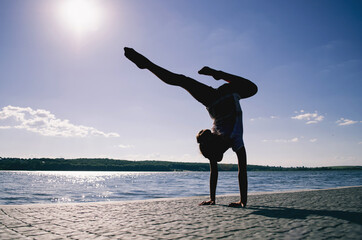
[244, 87]
[243, 180]
[202, 93]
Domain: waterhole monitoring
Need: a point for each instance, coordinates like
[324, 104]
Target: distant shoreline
[105, 164]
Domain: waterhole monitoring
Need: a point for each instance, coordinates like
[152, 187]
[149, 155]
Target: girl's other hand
[207, 203]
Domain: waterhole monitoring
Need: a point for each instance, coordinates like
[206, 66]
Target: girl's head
[212, 145]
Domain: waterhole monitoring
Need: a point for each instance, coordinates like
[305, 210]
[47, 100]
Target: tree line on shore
[105, 164]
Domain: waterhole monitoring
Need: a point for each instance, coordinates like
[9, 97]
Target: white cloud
[125, 146]
[45, 123]
[263, 118]
[293, 140]
[345, 158]
[150, 156]
[345, 122]
[310, 118]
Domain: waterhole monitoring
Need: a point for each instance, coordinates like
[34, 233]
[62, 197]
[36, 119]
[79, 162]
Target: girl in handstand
[224, 108]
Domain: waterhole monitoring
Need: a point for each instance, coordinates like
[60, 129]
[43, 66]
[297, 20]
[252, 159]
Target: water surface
[24, 187]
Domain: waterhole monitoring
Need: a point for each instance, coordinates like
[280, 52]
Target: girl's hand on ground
[207, 203]
[237, 204]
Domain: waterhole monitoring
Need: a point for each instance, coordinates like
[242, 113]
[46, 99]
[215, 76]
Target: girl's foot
[138, 59]
[237, 204]
[210, 72]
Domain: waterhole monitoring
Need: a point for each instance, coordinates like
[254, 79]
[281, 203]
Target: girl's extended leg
[243, 179]
[202, 93]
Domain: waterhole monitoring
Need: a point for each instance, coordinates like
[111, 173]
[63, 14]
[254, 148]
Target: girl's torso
[224, 112]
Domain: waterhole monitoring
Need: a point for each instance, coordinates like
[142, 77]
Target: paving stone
[322, 214]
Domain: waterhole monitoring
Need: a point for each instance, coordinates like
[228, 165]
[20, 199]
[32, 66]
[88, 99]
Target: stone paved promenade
[323, 214]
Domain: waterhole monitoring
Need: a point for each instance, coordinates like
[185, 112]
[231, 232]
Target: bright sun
[80, 16]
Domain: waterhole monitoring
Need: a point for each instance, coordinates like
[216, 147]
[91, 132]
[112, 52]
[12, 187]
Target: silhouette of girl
[224, 108]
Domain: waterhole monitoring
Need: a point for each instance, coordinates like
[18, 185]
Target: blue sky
[67, 91]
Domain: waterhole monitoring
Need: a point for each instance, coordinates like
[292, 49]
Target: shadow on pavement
[293, 213]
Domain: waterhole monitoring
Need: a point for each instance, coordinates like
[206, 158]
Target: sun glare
[80, 16]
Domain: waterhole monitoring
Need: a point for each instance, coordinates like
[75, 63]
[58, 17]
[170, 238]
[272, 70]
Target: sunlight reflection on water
[22, 187]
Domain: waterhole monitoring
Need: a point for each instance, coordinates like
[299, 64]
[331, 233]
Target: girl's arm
[214, 172]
